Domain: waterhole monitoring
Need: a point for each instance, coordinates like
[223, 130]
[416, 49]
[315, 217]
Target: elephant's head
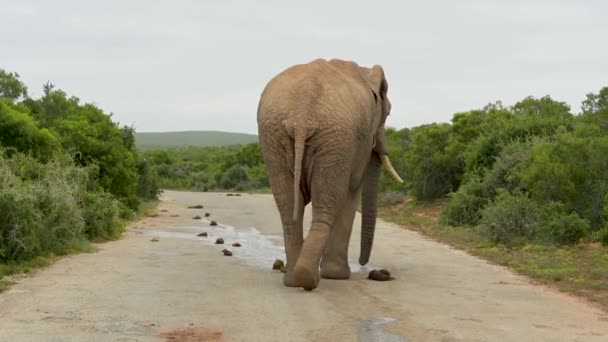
[379, 157]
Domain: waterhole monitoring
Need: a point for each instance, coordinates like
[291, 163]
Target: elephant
[321, 134]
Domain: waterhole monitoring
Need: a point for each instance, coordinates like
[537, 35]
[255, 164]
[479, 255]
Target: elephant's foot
[290, 280]
[335, 270]
[306, 278]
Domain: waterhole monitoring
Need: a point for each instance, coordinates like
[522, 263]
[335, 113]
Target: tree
[595, 109]
[11, 87]
[545, 106]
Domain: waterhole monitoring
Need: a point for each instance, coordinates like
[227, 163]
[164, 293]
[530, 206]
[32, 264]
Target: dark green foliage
[433, 170]
[567, 229]
[390, 198]
[88, 133]
[11, 87]
[148, 181]
[465, 205]
[603, 236]
[517, 160]
[233, 176]
[511, 216]
[39, 211]
[102, 216]
[209, 168]
[67, 173]
[20, 131]
[595, 109]
[571, 169]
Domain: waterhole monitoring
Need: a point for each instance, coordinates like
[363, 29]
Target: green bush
[563, 227]
[511, 216]
[41, 215]
[102, 216]
[209, 168]
[603, 236]
[434, 167]
[148, 181]
[390, 198]
[571, 169]
[567, 229]
[465, 205]
[20, 131]
[235, 176]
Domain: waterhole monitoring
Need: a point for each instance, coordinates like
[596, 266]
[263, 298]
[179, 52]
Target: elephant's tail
[300, 135]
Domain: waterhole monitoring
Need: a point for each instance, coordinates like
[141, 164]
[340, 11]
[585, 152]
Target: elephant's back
[332, 92]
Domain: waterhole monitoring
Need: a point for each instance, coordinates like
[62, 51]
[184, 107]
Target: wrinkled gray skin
[321, 131]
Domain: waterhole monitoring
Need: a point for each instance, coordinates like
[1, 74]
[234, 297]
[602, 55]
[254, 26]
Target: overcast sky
[201, 65]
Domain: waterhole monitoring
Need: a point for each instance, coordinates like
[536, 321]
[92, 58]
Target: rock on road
[182, 288]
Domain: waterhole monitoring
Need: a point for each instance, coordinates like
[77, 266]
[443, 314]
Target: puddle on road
[372, 330]
[257, 249]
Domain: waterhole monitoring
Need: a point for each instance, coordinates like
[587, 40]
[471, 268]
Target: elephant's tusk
[386, 162]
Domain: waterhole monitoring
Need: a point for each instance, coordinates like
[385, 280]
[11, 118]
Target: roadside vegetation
[525, 186]
[233, 167]
[68, 175]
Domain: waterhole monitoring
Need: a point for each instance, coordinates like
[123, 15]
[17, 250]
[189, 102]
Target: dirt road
[182, 288]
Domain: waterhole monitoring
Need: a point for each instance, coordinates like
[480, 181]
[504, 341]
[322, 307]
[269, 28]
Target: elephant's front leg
[334, 264]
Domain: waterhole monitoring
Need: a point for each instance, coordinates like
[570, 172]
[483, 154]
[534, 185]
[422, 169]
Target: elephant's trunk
[369, 204]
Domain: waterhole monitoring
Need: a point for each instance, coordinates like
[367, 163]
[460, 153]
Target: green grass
[581, 270]
[164, 140]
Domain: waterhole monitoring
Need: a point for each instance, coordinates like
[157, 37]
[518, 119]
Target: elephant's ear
[378, 81]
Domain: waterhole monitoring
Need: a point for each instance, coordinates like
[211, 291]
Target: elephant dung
[213, 223]
[204, 234]
[278, 265]
[227, 252]
[380, 275]
[219, 241]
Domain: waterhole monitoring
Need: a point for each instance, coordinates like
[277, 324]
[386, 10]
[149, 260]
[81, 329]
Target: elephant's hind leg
[328, 197]
[293, 236]
[334, 264]
[281, 183]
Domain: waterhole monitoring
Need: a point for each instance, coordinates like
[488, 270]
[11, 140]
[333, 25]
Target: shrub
[20, 131]
[465, 205]
[390, 198]
[232, 177]
[102, 216]
[41, 214]
[148, 182]
[511, 216]
[603, 236]
[567, 229]
[433, 165]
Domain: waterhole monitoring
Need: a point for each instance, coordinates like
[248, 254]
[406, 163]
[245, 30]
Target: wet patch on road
[256, 249]
[372, 330]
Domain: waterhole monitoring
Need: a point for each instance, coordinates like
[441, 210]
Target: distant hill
[154, 140]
